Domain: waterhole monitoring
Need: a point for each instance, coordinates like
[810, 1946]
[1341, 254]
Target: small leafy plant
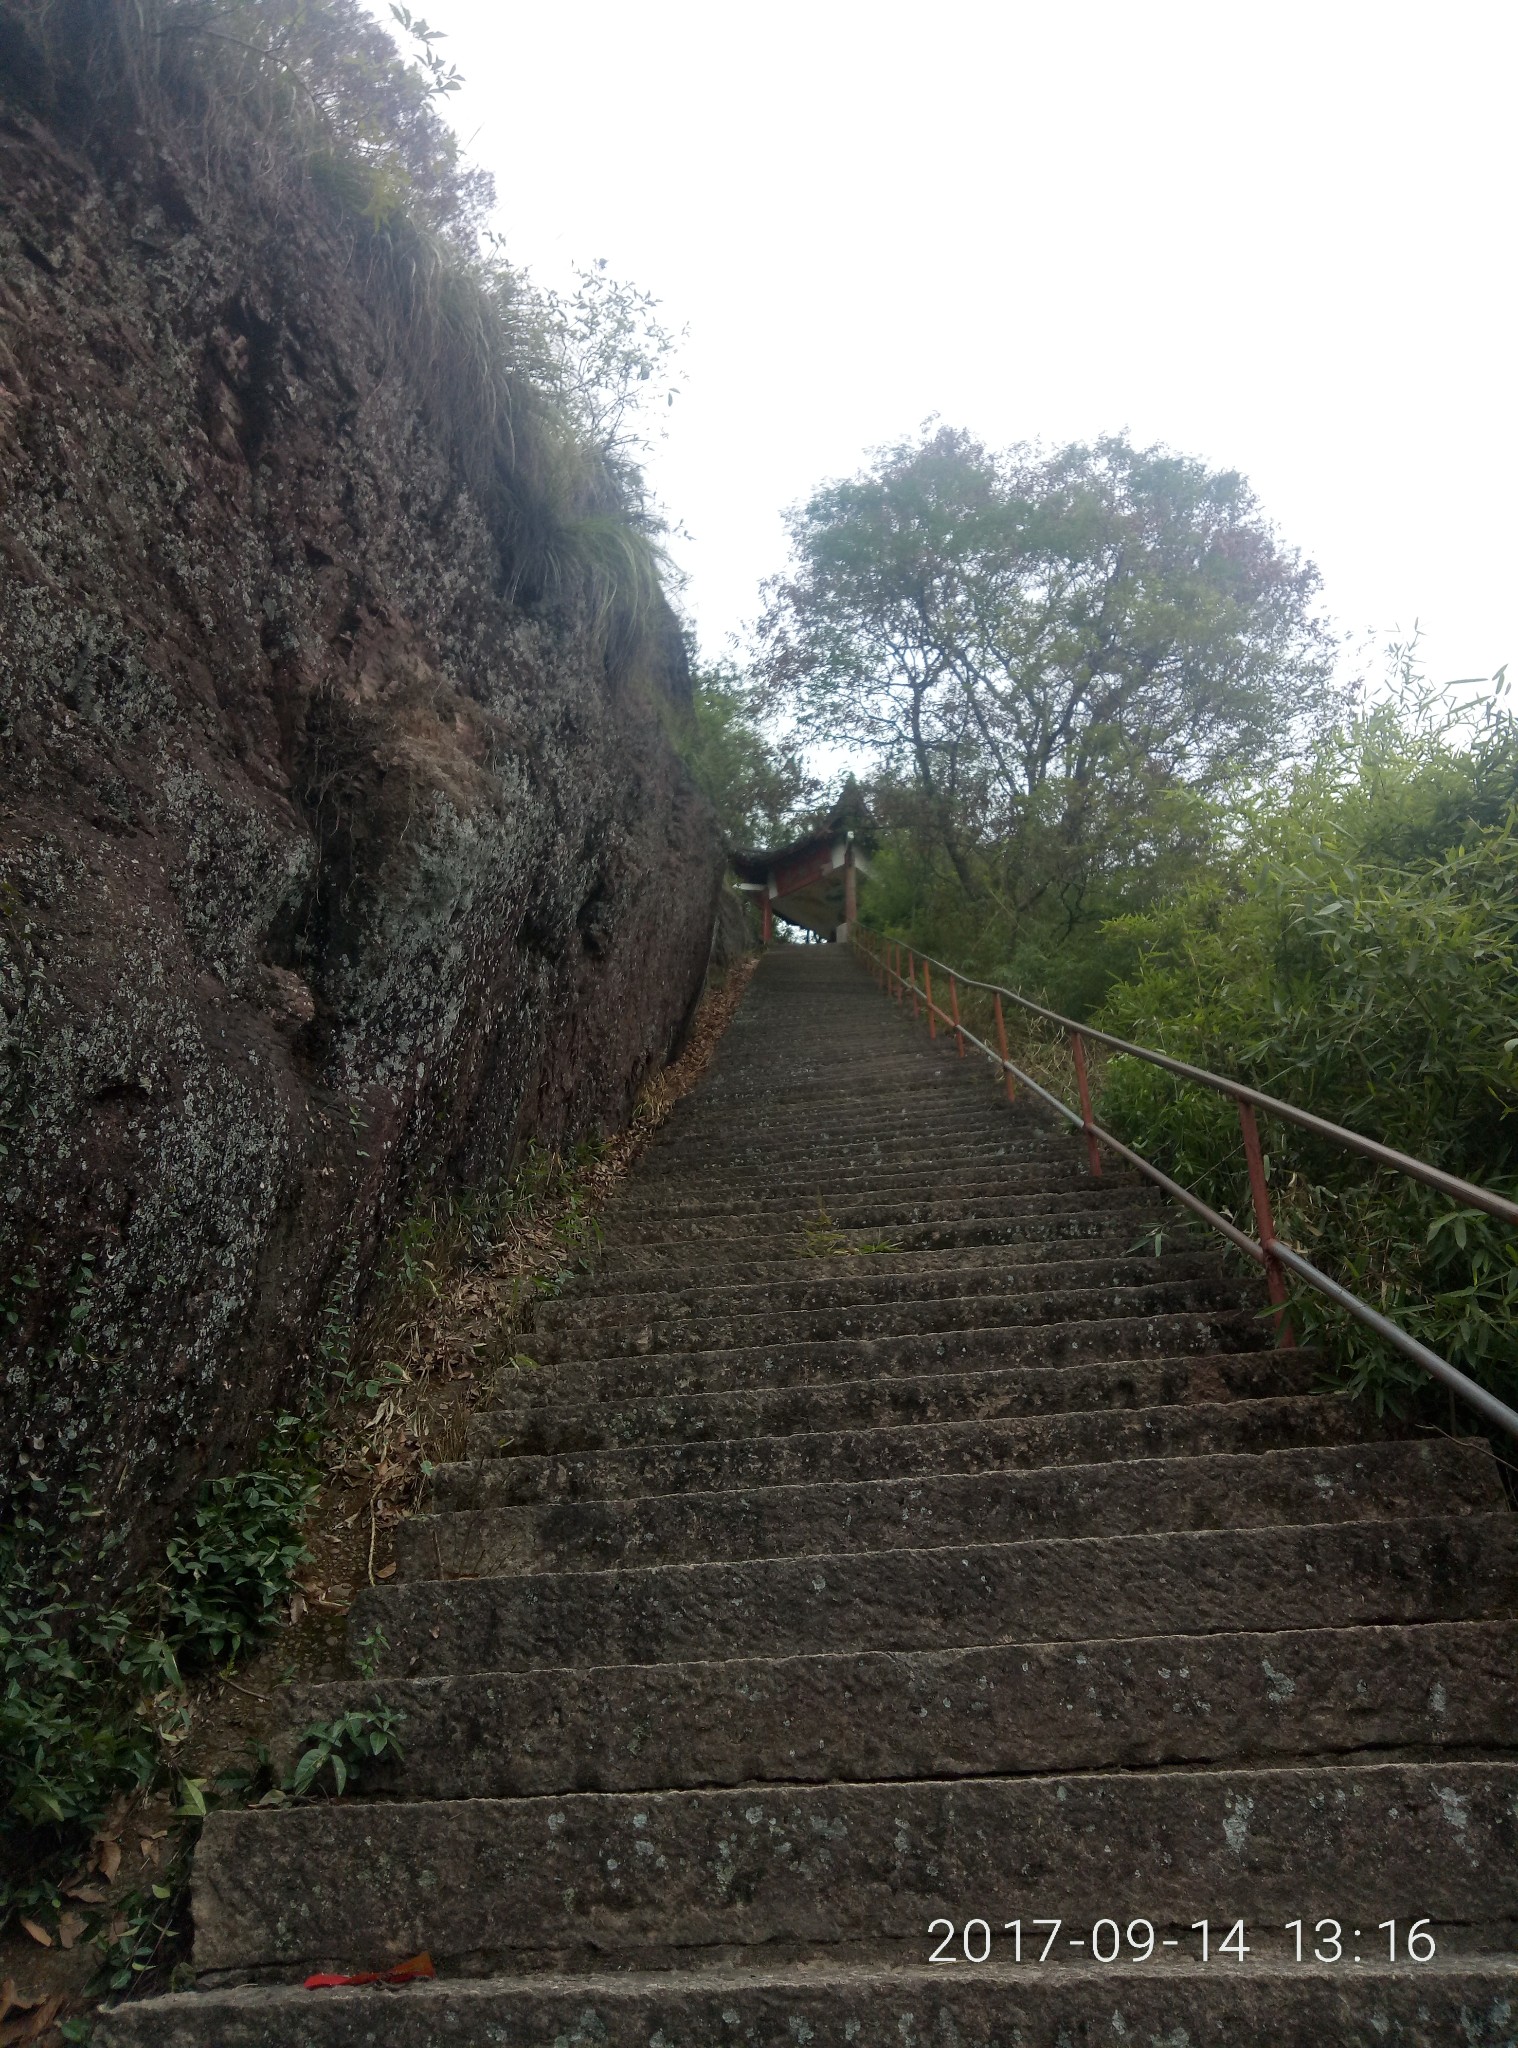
[145, 1925]
[344, 1748]
[92, 1695]
[233, 1566]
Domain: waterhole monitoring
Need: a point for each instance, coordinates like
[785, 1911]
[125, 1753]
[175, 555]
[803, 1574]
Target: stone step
[932, 1131]
[833, 1283]
[706, 1223]
[1197, 1287]
[1332, 1483]
[784, 1185]
[855, 1871]
[926, 1202]
[1323, 1575]
[1467, 1999]
[720, 1289]
[796, 1174]
[894, 1080]
[576, 1381]
[1232, 1427]
[936, 1100]
[890, 1402]
[806, 1174]
[929, 1102]
[892, 1075]
[979, 1146]
[1002, 1710]
[634, 1267]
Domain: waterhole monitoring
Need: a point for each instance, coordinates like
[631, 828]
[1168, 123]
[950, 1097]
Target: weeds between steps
[125, 1715]
[821, 1239]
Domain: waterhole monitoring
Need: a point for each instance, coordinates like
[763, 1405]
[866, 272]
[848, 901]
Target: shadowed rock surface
[325, 863]
[742, 1682]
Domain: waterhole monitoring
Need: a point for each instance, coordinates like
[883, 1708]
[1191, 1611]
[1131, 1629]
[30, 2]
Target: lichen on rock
[327, 862]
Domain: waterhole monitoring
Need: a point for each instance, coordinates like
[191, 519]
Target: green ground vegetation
[93, 1673]
[97, 1667]
[1344, 936]
[1351, 945]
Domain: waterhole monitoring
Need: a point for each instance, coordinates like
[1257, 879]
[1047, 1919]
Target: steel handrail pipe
[1464, 1191]
[1073, 1117]
[1269, 1251]
[999, 1060]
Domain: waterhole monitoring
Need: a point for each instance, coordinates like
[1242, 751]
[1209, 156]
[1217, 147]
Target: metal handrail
[1267, 1250]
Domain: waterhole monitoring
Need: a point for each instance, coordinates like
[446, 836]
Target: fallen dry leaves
[438, 1345]
[36, 2015]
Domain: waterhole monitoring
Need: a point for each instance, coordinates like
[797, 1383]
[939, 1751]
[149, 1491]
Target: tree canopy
[1035, 648]
[758, 788]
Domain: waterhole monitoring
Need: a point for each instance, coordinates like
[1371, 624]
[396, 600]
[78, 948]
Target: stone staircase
[906, 1535]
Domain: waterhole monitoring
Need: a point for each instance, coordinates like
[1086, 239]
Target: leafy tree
[759, 788]
[1035, 648]
[616, 361]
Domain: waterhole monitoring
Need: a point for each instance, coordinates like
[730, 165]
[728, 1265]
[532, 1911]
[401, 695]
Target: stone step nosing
[708, 1223]
[1467, 1998]
[641, 1266]
[919, 1449]
[884, 1403]
[1132, 1496]
[1206, 1291]
[772, 1260]
[848, 1869]
[798, 1192]
[1322, 1574]
[1005, 1709]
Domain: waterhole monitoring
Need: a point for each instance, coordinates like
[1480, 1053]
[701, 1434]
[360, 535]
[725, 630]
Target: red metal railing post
[1001, 1040]
[1093, 1150]
[1259, 1189]
[927, 991]
[901, 994]
[912, 978]
[954, 1006]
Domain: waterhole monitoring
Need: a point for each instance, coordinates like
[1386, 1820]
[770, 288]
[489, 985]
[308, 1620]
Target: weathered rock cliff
[324, 865]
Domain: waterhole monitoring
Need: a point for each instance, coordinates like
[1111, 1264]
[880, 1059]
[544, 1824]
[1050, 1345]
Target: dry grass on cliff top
[310, 119]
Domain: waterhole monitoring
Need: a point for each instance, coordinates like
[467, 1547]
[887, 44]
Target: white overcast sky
[1279, 237]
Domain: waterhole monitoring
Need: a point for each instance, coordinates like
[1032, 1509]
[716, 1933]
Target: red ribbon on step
[403, 1973]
